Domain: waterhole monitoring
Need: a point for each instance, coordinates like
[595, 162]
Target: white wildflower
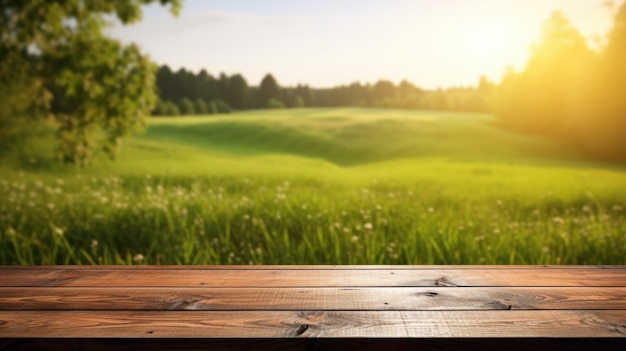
[58, 231]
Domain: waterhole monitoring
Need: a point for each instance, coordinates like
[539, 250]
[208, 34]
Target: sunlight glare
[483, 40]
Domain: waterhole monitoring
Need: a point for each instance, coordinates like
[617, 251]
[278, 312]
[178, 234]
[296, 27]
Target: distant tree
[165, 82]
[186, 106]
[170, 109]
[538, 99]
[237, 92]
[599, 112]
[212, 108]
[298, 102]
[268, 90]
[223, 90]
[383, 89]
[159, 108]
[183, 85]
[485, 86]
[436, 100]
[305, 92]
[56, 63]
[200, 107]
[507, 102]
[407, 95]
[287, 96]
[406, 88]
[359, 95]
[477, 99]
[206, 86]
[220, 106]
[275, 103]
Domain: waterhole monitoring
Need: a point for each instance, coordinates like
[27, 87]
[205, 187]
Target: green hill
[325, 186]
[355, 136]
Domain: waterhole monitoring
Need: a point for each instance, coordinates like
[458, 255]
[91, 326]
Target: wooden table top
[312, 301]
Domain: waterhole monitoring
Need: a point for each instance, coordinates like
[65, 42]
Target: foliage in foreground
[56, 63]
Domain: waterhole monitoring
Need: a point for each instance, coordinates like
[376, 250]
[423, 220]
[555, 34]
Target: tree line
[569, 91]
[184, 92]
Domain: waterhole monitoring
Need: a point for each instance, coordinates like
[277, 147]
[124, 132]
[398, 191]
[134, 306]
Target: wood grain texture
[334, 324]
[292, 277]
[295, 299]
[311, 302]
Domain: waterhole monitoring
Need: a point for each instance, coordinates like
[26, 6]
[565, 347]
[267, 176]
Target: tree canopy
[570, 91]
[56, 63]
[268, 91]
[537, 99]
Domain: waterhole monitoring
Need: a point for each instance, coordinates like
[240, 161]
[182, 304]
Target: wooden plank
[335, 324]
[356, 299]
[121, 277]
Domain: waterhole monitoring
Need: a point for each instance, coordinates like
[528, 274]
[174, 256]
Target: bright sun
[483, 41]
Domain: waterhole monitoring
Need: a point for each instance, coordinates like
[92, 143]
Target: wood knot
[301, 329]
[443, 281]
[312, 317]
[500, 305]
[185, 304]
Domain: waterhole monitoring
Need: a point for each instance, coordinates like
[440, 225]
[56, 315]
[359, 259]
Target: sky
[325, 43]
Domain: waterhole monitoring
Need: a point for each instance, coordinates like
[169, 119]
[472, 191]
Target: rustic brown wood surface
[297, 299]
[314, 276]
[313, 302]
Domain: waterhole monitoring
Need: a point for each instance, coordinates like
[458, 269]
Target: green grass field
[314, 186]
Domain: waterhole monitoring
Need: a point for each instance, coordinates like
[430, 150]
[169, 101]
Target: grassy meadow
[313, 186]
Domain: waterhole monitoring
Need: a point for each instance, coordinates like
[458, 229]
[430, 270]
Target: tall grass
[178, 198]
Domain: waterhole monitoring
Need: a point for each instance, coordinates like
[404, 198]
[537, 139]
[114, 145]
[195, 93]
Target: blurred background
[326, 132]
